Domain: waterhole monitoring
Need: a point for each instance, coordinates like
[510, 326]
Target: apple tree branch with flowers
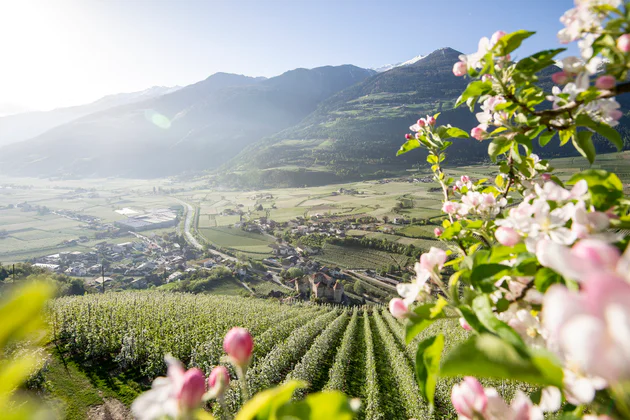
[540, 278]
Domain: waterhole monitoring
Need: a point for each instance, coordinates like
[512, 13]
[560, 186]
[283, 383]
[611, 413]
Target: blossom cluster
[183, 391]
[538, 265]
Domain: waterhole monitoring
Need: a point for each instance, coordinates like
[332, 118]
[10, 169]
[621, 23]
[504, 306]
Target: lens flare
[157, 119]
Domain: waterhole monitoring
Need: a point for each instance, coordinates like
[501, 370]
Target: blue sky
[67, 52]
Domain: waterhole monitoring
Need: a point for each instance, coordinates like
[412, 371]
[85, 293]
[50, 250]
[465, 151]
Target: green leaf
[472, 320]
[474, 89]
[583, 142]
[546, 138]
[510, 42]
[565, 136]
[454, 132]
[538, 61]
[488, 356]
[21, 312]
[483, 310]
[320, 406]
[483, 276]
[409, 145]
[500, 252]
[265, 404]
[544, 278]
[422, 317]
[499, 146]
[428, 358]
[611, 134]
[432, 159]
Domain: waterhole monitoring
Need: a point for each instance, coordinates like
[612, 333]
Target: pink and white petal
[496, 408]
[582, 340]
[408, 291]
[563, 236]
[579, 189]
[551, 399]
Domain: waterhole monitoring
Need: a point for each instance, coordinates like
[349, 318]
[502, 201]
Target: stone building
[325, 287]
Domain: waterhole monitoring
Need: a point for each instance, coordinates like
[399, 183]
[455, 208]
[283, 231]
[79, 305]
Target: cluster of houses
[137, 259]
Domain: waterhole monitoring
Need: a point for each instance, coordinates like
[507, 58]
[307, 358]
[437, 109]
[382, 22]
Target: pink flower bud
[430, 120]
[408, 136]
[219, 380]
[615, 114]
[465, 325]
[238, 344]
[560, 78]
[496, 37]
[507, 236]
[398, 308]
[421, 122]
[437, 231]
[469, 398]
[455, 188]
[605, 82]
[546, 177]
[596, 253]
[478, 132]
[460, 69]
[192, 389]
[465, 179]
[623, 43]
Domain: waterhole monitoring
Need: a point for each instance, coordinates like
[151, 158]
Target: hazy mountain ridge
[26, 125]
[197, 127]
[340, 122]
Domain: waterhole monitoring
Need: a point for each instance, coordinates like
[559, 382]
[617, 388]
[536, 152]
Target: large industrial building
[154, 219]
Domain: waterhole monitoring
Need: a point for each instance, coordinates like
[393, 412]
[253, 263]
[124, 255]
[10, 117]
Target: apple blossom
[507, 236]
[430, 120]
[469, 399]
[605, 82]
[436, 257]
[560, 78]
[398, 308]
[460, 69]
[437, 231]
[478, 132]
[464, 324]
[525, 324]
[218, 381]
[623, 43]
[421, 122]
[192, 390]
[590, 329]
[450, 207]
[172, 396]
[465, 179]
[408, 136]
[496, 37]
[238, 344]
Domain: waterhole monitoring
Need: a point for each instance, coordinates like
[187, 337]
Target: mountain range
[23, 126]
[305, 126]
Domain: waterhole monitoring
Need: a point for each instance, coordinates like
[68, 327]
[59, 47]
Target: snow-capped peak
[404, 63]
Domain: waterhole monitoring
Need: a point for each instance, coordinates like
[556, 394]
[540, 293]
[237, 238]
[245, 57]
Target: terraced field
[350, 257]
